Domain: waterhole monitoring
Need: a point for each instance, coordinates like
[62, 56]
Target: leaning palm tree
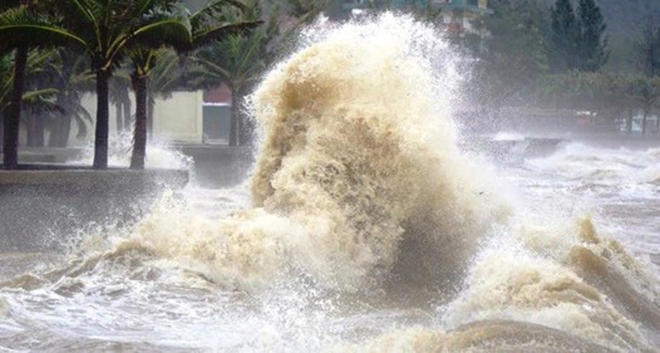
[104, 29]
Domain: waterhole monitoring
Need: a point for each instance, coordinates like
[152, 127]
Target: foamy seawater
[364, 228]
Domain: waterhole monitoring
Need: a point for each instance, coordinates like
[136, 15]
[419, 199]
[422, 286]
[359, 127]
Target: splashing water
[160, 154]
[366, 230]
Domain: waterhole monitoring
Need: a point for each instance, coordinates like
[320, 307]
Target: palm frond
[19, 26]
[203, 36]
[166, 31]
[29, 96]
[213, 11]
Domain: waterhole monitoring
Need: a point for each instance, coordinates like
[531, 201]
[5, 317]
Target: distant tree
[564, 37]
[648, 50]
[591, 42]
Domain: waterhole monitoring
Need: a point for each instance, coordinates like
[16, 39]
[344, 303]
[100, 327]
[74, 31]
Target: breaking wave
[358, 157]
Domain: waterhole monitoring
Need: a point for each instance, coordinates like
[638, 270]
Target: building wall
[180, 118]
[177, 119]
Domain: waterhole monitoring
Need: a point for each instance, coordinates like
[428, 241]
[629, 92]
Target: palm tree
[37, 108]
[104, 29]
[71, 76]
[120, 96]
[12, 114]
[5, 67]
[37, 99]
[240, 61]
[206, 25]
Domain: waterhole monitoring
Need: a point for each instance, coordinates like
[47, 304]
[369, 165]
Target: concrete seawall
[42, 207]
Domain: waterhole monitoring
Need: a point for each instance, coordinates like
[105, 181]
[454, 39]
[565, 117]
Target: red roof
[221, 94]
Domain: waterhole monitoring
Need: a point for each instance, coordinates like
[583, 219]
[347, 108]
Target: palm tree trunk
[13, 115]
[120, 117]
[59, 133]
[55, 131]
[3, 114]
[644, 121]
[235, 119]
[39, 130]
[140, 131]
[58, 123]
[31, 130]
[128, 121]
[65, 132]
[245, 128]
[151, 106]
[629, 122]
[102, 119]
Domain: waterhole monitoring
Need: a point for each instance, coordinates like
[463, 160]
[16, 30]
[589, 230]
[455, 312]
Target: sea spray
[160, 154]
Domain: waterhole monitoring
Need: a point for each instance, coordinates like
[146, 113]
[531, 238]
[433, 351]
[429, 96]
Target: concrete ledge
[43, 207]
[214, 150]
[47, 154]
[82, 178]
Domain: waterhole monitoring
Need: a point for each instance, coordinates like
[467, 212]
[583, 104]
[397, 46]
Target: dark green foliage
[577, 39]
[624, 21]
[592, 53]
[564, 37]
[623, 18]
